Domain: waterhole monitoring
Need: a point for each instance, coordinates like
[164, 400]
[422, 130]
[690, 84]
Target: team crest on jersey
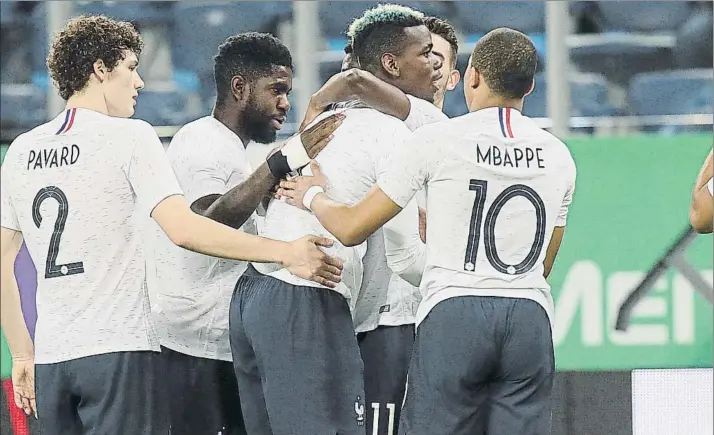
[384, 309]
[359, 410]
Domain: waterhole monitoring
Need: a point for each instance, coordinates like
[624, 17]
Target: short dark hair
[381, 30]
[251, 55]
[440, 27]
[507, 59]
[83, 41]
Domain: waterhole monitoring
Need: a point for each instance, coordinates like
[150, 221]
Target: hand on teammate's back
[294, 189]
[308, 261]
[316, 138]
[23, 385]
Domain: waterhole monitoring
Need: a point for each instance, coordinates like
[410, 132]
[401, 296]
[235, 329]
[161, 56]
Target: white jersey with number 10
[497, 185]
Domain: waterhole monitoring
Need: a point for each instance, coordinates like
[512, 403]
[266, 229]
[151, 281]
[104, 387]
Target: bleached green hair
[381, 30]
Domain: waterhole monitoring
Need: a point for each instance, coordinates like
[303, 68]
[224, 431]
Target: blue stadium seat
[199, 28]
[7, 13]
[643, 16]
[164, 107]
[671, 93]
[22, 105]
[136, 12]
[481, 17]
[588, 97]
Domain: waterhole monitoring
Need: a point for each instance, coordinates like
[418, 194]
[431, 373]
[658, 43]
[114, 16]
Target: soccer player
[446, 48]
[700, 212]
[386, 327]
[77, 190]
[294, 346]
[191, 292]
[499, 189]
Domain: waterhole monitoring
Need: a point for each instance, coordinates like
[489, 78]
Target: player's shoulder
[371, 120]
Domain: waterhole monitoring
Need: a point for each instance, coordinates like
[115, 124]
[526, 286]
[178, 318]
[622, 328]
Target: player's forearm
[362, 85]
[238, 204]
[13, 321]
[339, 219]
[701, 211]
[204, 236]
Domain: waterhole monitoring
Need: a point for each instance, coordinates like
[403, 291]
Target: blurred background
[627, 85]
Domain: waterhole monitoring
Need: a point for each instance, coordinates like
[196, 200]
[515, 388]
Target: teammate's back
[496, 190]
[72, 184]
[352, 162]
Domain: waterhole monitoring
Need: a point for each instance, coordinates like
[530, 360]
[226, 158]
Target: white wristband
[310, 196]
[295, 153]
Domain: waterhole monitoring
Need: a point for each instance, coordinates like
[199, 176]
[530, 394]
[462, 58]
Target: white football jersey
[79, 188]
[398, 308]
[191, 292]
[497, 185]
[350, 163]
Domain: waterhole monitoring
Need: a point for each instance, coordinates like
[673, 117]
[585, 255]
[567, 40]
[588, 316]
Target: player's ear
[531, 89]
[389, 63]
[239, 88]
[454, 77]
[100, 70]
[475, 78]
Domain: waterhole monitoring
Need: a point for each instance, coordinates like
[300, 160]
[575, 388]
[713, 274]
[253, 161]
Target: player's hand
[422, 224]
[313, 111]
[316, 138]
[294, 189]
[23, 385]
[308, 261]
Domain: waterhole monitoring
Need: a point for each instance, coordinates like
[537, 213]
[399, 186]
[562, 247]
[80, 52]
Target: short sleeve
[403, 172]
[200, 170]
[149, 171]
[567, 199]
[7, 213]
[422, 112]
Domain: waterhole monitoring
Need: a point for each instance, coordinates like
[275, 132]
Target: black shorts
[202, 395]
[386, 352]
[296, 359]
[481, 365]
[111, 394]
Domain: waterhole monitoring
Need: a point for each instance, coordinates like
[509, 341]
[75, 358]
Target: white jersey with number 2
[79, 188]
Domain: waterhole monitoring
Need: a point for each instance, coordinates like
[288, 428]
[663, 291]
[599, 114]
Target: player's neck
[232, 123]
[497, 101]
[87, 100]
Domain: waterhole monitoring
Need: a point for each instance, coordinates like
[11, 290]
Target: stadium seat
[642, 16]
[165, 107]
[670, 93]
[636, 36]
[7, 13]
[588, 97]
[22, 106]
[481, 17]
[199, 28]
[136, 12]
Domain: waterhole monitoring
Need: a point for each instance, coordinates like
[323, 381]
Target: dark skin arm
[235, 206]
[358, 84]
